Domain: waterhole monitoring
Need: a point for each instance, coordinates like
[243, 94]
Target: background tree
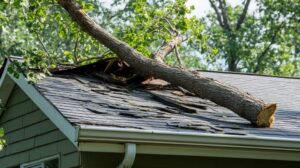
[149, 24]
[242, 103]
[264, 42]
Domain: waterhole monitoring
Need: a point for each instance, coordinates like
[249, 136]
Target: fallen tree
[245, 105]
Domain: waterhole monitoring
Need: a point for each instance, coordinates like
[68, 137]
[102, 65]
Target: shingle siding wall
[31, 136]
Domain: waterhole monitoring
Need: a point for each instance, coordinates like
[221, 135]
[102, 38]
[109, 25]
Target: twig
[75, 50]
[170, 31]
[93, 58]
[171, 26]
[43, 45]
[265, 51]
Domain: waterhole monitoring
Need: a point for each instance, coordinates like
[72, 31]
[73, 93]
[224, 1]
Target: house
[103, 115]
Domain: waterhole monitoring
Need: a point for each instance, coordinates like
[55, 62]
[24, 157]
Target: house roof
[105, 107]
[106, 94]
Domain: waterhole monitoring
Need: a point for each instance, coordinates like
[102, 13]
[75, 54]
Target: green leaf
[1, 132]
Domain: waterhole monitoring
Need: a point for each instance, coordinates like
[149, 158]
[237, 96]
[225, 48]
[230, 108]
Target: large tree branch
[43, 46]
[212, 4]
[263, 54]
[167, 48]
[245, 105]
[243, 15]
[222, 6]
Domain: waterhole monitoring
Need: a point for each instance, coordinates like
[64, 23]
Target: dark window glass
[51, 163]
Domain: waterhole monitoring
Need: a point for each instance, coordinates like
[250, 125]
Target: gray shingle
[88, 101]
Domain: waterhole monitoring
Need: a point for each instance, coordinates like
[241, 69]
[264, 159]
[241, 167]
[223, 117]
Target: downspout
[130, 152]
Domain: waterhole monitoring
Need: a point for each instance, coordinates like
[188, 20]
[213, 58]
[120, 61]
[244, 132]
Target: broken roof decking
[87, 100]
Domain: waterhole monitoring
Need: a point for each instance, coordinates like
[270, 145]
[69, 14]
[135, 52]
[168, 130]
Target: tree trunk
[245, 105]
[232, 66]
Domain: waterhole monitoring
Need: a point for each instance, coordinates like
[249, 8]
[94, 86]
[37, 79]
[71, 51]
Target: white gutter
[190, 144]
[130, 152]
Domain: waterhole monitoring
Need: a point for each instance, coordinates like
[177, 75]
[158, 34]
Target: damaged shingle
[204, 126]
[88, 99]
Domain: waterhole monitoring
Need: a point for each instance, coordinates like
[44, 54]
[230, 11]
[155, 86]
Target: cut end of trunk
[266, 116]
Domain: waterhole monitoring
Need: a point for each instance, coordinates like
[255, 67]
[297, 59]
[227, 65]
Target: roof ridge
[251, 74]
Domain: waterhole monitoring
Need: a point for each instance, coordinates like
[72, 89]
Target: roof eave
[99, 139]
[7, 83]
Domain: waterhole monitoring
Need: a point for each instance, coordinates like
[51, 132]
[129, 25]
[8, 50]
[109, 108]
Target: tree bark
[213, 5]
[223, 6]
[167, 48]
[243, 15]
[243, 104]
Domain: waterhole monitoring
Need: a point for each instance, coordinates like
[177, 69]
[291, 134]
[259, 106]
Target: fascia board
[47, 108]
[6, 86]
[169, 143]
[192, 150]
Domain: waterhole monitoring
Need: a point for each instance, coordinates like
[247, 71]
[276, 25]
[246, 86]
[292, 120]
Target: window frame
[41, 161]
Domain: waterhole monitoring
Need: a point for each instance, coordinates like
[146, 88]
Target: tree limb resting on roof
[245, 105]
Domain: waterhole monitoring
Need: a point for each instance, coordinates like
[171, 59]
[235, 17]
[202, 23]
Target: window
[51, 162]
[35, 165]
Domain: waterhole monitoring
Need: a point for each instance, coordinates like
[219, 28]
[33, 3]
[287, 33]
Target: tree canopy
[262, 42]
[228, 38]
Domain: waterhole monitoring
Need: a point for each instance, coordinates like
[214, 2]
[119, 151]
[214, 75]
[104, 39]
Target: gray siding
[31, 136]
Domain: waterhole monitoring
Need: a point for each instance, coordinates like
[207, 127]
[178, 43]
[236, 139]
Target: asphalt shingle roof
[88, 100]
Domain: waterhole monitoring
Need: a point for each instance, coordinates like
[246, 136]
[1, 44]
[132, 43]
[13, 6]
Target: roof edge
[3, 67]
[257, 147]
[41, 102]
[6, 84]
[248, 74]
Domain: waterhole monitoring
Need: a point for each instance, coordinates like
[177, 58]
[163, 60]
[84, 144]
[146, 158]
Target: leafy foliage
[153, 23]
[266, 42]
[2, 141]
[43, 34]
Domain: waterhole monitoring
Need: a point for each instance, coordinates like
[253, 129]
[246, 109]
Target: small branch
[243, 15]
[75, 51]
[43, 45]
[88, 59]
[178, 56]
[262, 56]
[94, 58]
[66, 64]
[170, 31]
[167, 48]
[171, 26]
